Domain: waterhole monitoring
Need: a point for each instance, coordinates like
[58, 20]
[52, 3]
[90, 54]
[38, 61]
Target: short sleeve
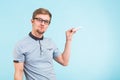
[18, 55]
[56, 52]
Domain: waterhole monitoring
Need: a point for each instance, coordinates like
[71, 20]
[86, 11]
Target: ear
[32, 20]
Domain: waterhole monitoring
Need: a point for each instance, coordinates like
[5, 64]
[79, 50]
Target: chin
[40, 32]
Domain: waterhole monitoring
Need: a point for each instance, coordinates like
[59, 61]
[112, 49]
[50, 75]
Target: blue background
[95, 53]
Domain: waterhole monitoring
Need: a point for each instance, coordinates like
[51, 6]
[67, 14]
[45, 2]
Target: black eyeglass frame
[42, 20]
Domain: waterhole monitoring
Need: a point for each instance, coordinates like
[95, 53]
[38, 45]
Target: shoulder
[22, 41]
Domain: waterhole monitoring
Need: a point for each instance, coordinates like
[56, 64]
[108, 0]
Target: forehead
[43, 16]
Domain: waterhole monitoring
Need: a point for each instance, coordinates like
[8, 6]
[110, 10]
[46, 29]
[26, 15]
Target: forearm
[66, 53]
[18, 76]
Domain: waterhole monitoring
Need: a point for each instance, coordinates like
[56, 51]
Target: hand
[69, 34]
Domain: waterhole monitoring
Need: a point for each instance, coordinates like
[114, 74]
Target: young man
[33, 55]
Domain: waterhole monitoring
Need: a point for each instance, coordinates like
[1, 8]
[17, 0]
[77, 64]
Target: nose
[42, 22]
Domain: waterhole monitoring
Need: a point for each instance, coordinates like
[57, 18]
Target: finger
[76, 29]
[73, 30]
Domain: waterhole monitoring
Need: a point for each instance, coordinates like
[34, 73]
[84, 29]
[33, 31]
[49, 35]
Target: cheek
[46, 27]
[34, 24]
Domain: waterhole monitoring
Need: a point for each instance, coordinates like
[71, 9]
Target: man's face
[40, 23]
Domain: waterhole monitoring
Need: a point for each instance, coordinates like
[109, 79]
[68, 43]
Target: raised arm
[64, 57]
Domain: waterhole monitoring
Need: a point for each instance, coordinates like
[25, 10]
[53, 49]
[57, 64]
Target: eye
[42, 20]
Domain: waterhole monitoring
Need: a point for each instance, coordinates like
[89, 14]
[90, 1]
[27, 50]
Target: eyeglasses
[42, 20]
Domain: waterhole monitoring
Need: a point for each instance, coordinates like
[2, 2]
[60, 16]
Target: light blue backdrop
[95, 48]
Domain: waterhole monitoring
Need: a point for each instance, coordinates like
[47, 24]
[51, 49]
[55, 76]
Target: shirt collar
[34, 37]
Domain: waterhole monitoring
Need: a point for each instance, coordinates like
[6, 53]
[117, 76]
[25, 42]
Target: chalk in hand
[76, 29]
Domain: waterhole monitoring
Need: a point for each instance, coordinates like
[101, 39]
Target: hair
[42, 11]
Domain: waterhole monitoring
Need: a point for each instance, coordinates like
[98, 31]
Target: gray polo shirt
[37, 55]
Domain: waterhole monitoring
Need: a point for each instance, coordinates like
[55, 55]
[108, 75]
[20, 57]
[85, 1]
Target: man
[33, 55]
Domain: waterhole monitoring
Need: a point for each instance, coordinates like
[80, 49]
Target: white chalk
[76, 29]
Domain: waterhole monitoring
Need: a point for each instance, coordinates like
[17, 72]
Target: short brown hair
[41, 11]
